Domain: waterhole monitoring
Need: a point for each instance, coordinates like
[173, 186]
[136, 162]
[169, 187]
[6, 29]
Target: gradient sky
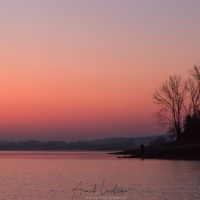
[79, 70]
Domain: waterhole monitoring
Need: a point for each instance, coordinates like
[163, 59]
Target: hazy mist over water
[94, 175]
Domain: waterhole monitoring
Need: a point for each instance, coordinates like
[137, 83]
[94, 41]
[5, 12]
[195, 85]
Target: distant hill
[121, 143]
[127, 142]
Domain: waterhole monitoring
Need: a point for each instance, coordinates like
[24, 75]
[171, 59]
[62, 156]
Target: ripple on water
[54, 178]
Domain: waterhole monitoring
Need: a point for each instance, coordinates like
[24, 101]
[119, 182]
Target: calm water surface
[95, 175]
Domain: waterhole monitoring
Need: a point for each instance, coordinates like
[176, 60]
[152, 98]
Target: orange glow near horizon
[71, 71]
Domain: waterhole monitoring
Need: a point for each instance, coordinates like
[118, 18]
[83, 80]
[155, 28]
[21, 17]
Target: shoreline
[165, 152]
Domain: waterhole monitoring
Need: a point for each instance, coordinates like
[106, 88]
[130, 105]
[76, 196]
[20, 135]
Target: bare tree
[195, 72]
[193, 88]
[192, 98]
[170, 97]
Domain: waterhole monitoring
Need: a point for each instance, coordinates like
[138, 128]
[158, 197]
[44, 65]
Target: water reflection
[54, 175]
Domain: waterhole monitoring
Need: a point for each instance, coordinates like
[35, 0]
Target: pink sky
[76, 70]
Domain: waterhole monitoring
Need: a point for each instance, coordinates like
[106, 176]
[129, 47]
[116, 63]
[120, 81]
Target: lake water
[95, 175]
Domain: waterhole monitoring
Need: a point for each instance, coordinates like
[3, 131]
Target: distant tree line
[109, 144]
[179, 105]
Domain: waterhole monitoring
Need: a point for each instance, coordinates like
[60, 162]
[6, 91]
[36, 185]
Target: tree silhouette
[170, 97]
[192, 118]
[193, 87]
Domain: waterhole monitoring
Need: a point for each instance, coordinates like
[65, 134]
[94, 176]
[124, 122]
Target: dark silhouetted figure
[142, 151]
